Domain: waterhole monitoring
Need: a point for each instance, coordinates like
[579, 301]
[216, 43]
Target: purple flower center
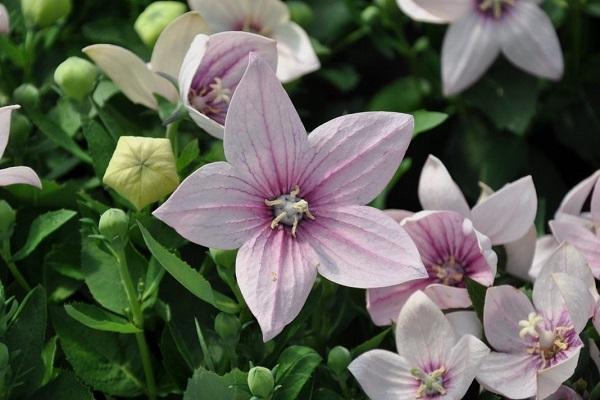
[211, 100]
[547, 343]
[449, 273]
[430, 384]
[289, 210]
[494, 8]
[249, 25]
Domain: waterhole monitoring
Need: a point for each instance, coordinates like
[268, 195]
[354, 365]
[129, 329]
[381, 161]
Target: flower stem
[172, 130]
[138, 320]
[6, 256]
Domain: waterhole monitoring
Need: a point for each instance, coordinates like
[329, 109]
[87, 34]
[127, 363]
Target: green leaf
[55, 133]
[427, 120]
[206, 385]
[191, 279]
[65, 387]
[477, 294]
[370, 344]
[295, 367]
[403, 95]
[48, 357]
[101, 146]
[189, 154]
[99, 319]
[106, 361]
[25, 341]
[42, 227]
[345, 78]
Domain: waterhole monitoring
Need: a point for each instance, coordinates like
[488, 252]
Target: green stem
[138, 320]
[172, 130]
[5, 254]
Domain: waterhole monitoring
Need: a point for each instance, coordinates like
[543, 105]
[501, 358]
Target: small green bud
[43, 13]
[27, 95]
[224, 258]
[7, 220]
[76, 77]
[370, 15]
[155, 18]
[114, 226]
[260, 382]
[20, 128]
[228, 327]
[300, 12]
[338, 359]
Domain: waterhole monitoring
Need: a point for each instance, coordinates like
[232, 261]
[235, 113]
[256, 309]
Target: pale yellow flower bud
[142, 170]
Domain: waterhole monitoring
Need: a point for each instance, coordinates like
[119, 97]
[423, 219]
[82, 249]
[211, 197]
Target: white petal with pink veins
[438, 191]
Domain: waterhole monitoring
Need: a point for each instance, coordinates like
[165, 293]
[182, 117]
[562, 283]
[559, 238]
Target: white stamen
[289, 210]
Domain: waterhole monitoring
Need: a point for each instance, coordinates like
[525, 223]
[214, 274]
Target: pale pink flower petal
[508, 214]
[448, 297]
[19, 175]
[550, 379]
[544, 248]
[437, 190]
[504, 308]
[384, 375]
[436, 11]
[565, 393]
[296, 54]
[463, 364]
[131, 75]
[4, 20]
[555, 291]
[267, 141]
[174, 42]
[511, 375]
[530, 41]
[211, 71]
[582, 239]
[216, 208]
[595, 202]
[275, 275]
[423, 334]
[5, 116]
[465, 323]
[362, 247]
[520, 255]
[384, 304]
[346, 173]
[575, 199]
[399, 215]
[470, 46]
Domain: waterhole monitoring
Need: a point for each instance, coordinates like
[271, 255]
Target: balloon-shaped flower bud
[338, 359]
[228, 327]
[76, 77]
[4, 20]
[155, 18]
[114, 226]
[370, 15]
[27, 95]
[20, 129]
[43, 13]
[142, 170]
[260, 382]
[7, 220]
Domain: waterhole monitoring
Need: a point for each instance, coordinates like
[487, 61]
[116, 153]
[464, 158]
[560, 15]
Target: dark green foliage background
[506, 126]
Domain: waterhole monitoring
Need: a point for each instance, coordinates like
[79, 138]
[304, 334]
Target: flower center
[248, 25]
[289, 210]
[450, 273]
[431, 384]
[211, 100]
[548, 343]
[494, 8]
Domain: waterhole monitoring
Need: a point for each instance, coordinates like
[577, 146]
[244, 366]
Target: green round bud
[7, 220]
[155, 18]
[76, 77]
[114, 226]
[27, 95]
[338, 359]
[228, 327]
[260, 382]
[300, 12]
[20, 128]
[370, 15]
[43, 13]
